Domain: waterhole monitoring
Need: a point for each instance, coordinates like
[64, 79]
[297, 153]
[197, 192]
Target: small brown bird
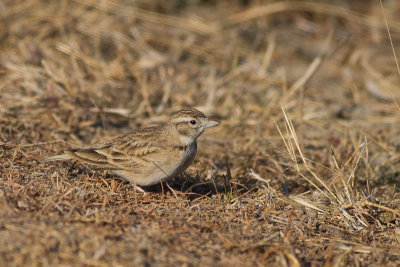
[150, 155]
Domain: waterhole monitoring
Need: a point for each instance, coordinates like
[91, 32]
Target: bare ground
[303, 171]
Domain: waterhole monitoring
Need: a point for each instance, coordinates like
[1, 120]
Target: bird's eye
[193, 122]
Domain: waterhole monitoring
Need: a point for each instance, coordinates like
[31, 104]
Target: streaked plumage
[150, 155]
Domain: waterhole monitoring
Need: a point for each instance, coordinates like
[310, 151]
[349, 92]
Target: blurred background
[76, 72]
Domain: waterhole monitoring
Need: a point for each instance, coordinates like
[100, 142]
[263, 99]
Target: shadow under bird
[149, 155]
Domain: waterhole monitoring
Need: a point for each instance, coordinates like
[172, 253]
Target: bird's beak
[212, 123]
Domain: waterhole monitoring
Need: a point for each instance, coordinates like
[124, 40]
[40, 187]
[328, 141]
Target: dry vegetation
[303, 171]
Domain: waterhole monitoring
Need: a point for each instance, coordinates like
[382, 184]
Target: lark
[149, 155]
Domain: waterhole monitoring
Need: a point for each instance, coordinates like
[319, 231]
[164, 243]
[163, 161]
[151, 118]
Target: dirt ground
[303, 170]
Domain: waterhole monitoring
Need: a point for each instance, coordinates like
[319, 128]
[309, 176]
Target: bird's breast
[187, 155]
[172, 163]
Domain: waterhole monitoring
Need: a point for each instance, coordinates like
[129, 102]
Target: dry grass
[303, 171]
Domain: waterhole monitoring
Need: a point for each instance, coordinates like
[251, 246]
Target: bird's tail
[57, 157]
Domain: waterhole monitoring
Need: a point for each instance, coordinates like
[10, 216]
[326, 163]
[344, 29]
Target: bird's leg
[136, 190]
[172, 190]
[166, 175]
[162, 188]
[139, 189]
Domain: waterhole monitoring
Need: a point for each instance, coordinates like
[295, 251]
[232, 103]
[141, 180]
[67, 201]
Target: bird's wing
[130, 151]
